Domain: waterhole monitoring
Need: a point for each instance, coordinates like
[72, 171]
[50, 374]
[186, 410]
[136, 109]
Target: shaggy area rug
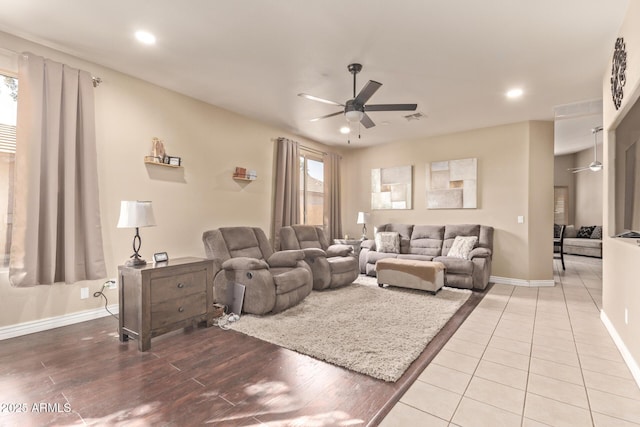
[364, 328]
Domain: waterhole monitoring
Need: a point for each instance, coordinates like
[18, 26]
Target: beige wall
[588, 199]
[515, 177]
[202, 195]
[564, 178]
[621, 268]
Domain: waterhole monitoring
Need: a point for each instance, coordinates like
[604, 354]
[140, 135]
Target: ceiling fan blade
[576, 170]
[367, 92]
[367, 122]
[327, 116]
[391, 107]
[315, 98]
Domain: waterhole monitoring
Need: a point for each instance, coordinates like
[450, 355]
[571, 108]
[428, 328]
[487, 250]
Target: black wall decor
[618, 69]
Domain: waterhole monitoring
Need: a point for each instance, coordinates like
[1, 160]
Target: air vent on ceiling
[578, 109]
[415, 116]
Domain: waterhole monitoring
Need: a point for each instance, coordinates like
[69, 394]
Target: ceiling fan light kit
[355, 109]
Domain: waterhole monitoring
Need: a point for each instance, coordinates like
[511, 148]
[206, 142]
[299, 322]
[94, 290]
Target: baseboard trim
[26, 328]
[626, 354]
[521, 282]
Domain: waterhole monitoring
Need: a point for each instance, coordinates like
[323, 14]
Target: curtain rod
[312, 150]
[96, 80]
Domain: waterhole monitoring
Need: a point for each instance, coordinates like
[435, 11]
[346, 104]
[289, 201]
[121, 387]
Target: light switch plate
[520, 219]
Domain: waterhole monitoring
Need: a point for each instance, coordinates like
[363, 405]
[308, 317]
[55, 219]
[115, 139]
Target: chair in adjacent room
[558, 242]
[332, 265]
[274, 281]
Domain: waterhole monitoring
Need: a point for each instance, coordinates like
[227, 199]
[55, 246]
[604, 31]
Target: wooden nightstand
[158, 298]
[355, 244]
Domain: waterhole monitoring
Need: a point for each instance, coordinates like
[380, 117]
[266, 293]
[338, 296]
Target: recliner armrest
[287, 258]
[339, 250]
[368, 244]
[480, 253]
[244, 263]
[313, 253]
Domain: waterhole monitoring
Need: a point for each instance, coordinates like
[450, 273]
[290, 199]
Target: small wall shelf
[161, 164]
[239, 178]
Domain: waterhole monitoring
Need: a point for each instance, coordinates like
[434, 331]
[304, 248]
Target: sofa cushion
[374, 256]
[388, 242]
[585, 232]
[426, 240]
[288, 279]
[570, 231]
[456, 265]
[462, 246]
[597, 232]
[342, 264]
[416, 257]
[584, 243]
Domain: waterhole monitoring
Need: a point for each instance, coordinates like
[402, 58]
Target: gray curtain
[287, 187]
[332, 206]
[57, 235]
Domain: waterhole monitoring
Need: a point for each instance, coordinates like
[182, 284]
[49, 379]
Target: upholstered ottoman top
[410, 273]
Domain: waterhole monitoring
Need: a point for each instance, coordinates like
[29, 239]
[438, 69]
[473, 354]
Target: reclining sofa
[432, 243]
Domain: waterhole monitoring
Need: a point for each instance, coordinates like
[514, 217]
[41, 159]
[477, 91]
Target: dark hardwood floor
[82, 375]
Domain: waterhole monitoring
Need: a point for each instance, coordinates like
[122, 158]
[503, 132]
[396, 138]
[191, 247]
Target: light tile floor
[528, 357]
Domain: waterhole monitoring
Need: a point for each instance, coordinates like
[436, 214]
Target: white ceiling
[454, 58]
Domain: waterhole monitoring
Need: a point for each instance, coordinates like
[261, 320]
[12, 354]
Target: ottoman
[408, 273]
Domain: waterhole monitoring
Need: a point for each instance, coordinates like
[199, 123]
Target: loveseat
[332, 266]
[274, 281]
[432, 243]
[582, 241]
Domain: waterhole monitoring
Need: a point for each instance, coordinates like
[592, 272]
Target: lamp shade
[363, 218]
[135, 214]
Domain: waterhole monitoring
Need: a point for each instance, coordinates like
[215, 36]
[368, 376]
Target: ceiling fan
[355, 109]
[594, 166]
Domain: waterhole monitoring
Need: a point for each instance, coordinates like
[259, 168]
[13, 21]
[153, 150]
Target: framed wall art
[452, 184]
[391, 188]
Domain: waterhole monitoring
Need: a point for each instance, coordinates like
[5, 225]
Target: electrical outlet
[113, 284]
[84, 293]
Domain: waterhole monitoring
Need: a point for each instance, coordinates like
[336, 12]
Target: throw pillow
[388, 241]
[597, 232]
[585, 232]
[462, 246]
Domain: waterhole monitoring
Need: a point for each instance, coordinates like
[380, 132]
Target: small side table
[355, 244]
[158, 298]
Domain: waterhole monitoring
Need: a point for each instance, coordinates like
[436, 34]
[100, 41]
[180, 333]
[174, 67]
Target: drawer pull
[181, 285]
[181, 309]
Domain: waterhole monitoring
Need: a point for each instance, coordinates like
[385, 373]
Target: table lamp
[363, 218]
[136, 214]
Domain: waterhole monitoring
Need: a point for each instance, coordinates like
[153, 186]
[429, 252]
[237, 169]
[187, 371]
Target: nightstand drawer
[178, 286]
[171, 311]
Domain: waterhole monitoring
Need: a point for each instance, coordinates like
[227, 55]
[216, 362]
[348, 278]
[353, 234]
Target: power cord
[100, 293]
[225, 321]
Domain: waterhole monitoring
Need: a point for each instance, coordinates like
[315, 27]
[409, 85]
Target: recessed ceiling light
[345, 130]
[515, 93]
[145, 37]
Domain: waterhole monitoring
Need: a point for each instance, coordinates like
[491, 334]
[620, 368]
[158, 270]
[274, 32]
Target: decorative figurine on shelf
[157, 150]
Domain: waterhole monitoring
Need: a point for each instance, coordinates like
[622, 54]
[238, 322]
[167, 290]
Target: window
[311, 190]
[561, 205]
[8, 112]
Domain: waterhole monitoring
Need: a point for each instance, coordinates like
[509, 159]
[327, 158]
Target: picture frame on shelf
[174, 161]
